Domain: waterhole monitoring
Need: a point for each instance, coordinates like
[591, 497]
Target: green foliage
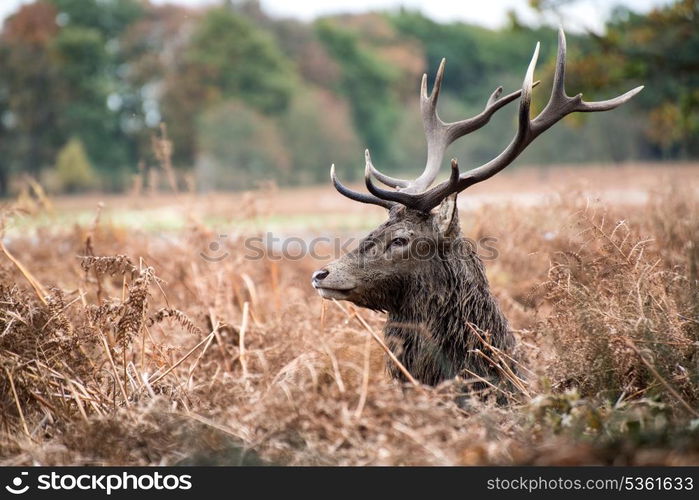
[301, 44]
[29, 96]
[644, 421]
[318, 131]
[227, 57]
[478, 59]
[81, 54]
[366, 82]
[58, 66]
[84, 85]
[108, 17]
[89, 59]
[236, 59]
[73, 169]
[238, 146]
[658, 50]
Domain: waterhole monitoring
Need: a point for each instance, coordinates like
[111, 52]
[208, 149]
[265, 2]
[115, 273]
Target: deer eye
[401, 241]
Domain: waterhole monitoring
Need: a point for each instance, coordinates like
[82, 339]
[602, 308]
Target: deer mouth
[333, 293]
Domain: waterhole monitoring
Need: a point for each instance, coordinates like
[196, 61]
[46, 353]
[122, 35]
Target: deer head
[378, 272]
[409, 248]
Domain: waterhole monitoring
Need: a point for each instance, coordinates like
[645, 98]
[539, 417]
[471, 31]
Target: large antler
[439, 136]
[415, 194]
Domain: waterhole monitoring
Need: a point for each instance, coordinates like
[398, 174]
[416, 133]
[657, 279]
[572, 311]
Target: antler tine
[353, 195]
[391, 196]
[388, 180]
[428, 105]
[559, 106]
[495, 102]
[439, 136]
[494, 96]
[431, 100]
[521, 139]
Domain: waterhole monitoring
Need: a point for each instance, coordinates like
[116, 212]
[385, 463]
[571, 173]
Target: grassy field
[121, 344]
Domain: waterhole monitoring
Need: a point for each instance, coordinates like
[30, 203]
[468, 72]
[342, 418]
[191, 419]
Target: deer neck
[427, 329]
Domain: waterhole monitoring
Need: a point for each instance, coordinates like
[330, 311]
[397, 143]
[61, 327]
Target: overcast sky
[583, 14]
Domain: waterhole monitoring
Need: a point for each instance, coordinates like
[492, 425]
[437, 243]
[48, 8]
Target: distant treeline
[85, 85]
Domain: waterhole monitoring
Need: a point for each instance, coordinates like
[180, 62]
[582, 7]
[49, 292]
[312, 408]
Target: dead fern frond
[57, 306]
[111, 265]
[105, 313]
[135, 308]
[178, 316]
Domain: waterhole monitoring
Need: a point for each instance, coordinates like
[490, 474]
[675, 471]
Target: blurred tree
[154, 46]
[83, 92]
[368, 83]
[326, 135]
[97, 99]
[108, 17]
[29, 133]
[658, 50]
[236, 59]
[238, 145]
[300, 42]
[543, 5]
[227, 57]
[478, 59]
[59, 69]
[73, 169]
[404, 56]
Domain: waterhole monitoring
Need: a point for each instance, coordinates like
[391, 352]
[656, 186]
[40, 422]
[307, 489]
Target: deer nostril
[319, 275]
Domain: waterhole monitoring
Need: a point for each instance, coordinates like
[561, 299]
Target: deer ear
[447, 217]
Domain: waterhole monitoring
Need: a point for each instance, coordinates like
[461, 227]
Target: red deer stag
[415, 266]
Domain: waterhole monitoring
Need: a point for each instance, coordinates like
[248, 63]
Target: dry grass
[119, 347]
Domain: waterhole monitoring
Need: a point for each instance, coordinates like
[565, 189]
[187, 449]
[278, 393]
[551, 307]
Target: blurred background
[95, 93]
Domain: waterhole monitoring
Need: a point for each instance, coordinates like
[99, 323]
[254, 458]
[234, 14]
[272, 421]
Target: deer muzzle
[331, 285]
